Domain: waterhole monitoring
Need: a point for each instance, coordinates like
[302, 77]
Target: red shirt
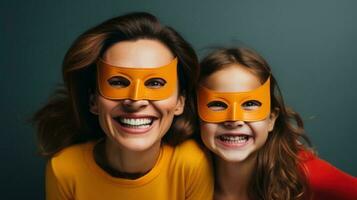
[326, 181]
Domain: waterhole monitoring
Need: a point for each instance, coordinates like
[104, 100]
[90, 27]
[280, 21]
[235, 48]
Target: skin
[128, 149]
[234, 164]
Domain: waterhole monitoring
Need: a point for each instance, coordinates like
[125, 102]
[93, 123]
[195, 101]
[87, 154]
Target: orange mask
[234, 110]
[136, 81]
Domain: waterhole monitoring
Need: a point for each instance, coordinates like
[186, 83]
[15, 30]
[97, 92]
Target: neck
[233, 178]
[120, 162]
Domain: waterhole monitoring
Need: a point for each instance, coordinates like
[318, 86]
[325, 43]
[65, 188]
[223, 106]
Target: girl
[258, 143]
[116, 130]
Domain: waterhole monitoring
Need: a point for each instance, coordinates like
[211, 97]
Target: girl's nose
[134, 105]
[233, 124]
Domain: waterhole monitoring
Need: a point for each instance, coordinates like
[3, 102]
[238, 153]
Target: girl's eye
[119, 82]
[155, 83]
[217, 105]
[251, 105]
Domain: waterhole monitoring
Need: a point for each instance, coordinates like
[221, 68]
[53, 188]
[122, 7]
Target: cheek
[167, 106]
[208, 131]
[260, 129]
[105, 105]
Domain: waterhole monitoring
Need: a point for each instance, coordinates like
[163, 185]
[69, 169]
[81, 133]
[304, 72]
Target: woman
[117, 130]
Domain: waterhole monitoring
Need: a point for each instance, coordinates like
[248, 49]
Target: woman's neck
[233, 178]
[123, 163]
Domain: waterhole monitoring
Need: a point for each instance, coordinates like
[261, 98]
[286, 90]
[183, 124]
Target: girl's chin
[237, 156]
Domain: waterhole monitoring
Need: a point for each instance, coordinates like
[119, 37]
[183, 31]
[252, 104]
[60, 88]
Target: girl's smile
[234, 140]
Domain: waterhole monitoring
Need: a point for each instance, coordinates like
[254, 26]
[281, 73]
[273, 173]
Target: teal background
[310, 44]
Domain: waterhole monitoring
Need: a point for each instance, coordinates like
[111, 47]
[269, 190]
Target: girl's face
[137, 125]
[235, 141]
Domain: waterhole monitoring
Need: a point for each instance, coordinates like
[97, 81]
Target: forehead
[232, 78]
[143, 53]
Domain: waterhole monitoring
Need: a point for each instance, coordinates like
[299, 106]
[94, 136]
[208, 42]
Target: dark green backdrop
[310, 44]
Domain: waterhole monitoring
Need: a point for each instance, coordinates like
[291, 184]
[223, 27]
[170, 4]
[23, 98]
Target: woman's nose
[131, 105]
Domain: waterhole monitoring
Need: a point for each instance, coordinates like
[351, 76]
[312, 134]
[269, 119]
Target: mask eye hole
[217, 105]
[118, 82]
[251, 105]
[155, 83]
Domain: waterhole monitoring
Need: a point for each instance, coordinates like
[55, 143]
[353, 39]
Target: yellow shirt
[181, 172]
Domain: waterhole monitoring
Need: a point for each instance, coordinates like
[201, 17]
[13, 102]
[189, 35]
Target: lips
[135, 124]
[234, 140]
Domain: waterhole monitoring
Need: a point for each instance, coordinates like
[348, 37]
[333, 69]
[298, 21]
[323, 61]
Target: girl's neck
[123, 163]
[233, 178]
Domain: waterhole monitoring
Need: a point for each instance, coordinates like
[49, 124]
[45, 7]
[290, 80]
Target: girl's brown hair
[278, 173]
[66, 120]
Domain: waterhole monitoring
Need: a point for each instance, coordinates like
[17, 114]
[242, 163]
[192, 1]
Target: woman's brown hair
[278, 173]
[66, 120]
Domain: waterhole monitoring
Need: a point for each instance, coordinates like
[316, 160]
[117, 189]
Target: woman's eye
[155, 83]
[119, 82]
[251, 105]
[217, 105]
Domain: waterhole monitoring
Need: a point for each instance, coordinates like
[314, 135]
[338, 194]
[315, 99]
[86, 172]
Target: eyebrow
[102, 62]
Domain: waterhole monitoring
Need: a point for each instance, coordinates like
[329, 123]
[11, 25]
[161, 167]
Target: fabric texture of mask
[232, 104]
[117, 82]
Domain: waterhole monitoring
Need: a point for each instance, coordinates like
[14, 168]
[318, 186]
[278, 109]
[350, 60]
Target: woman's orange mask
[233, 101]
[115, 82]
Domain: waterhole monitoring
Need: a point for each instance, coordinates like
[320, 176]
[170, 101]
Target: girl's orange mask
[234, 102]
[137, 77]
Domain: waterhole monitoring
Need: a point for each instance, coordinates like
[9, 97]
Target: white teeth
[234, 139]
[136, 121]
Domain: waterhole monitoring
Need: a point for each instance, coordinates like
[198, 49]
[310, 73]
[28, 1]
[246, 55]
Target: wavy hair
[278, 173]
[66, 120]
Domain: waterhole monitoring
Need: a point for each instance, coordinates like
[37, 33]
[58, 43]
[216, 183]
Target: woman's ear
[274, 114]
[93, 105]
[180, 105]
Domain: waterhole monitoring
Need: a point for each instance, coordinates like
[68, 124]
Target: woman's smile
[135, 124]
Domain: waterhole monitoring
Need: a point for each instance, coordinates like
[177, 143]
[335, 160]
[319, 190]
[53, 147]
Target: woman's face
[235, 141]
[137, 125]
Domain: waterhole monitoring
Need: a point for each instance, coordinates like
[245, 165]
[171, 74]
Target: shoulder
[317, 169]
[195, 163]
[63, 169]
[71, 158]
[190, 150]
[325, 180]
[190, 156]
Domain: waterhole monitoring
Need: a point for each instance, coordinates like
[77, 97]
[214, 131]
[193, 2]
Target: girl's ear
[274, 114]
[93, 105]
